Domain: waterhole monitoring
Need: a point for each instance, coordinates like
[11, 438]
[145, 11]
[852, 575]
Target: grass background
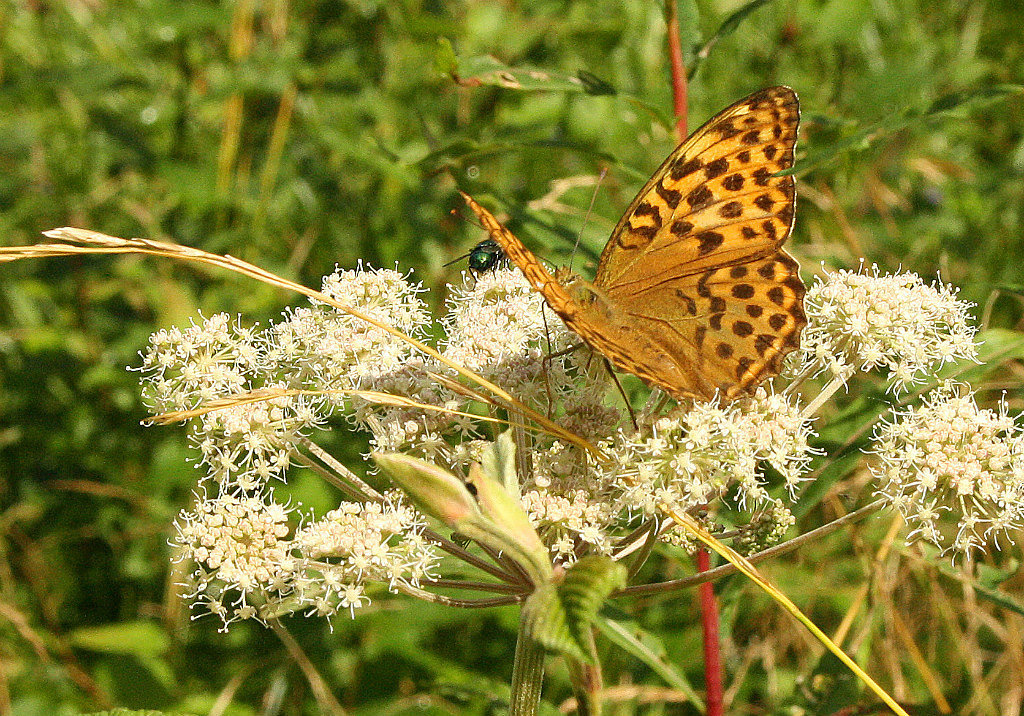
[307, 134]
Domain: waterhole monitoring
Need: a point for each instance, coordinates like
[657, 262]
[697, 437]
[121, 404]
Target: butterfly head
[585, 294]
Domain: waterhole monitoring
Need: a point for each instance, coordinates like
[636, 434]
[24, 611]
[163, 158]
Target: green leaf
[727, 27]
[434, 490]
[480, 508]
[133, 712]
[445, 61]
[488, 70]
[1014, 288]
[1000, 344]
[559, 616]
[138, 638]
[546, 623]
[499, 462]
[593, 84]
[647, 648]
[504, 524]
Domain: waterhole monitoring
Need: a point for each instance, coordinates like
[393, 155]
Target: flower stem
[712, 645]
[675, 52]
[527, 674]
[827, 392]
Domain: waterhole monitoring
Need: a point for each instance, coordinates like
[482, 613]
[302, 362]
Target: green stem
[527, 674]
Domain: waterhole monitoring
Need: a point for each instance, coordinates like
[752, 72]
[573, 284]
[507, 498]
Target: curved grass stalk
[82, 241]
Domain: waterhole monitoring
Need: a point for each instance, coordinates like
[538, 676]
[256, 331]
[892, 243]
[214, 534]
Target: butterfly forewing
[714, 201]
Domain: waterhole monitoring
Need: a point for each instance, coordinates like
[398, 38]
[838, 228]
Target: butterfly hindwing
[728, 327]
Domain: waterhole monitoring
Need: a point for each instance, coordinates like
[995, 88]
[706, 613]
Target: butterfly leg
[546, 360]
[622, 392]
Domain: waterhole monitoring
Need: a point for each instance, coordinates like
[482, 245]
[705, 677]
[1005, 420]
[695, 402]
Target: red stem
[706, 591]
[675, 53]
[712, 647]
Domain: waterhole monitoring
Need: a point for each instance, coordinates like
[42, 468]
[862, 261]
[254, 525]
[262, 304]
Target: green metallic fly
[485, 256]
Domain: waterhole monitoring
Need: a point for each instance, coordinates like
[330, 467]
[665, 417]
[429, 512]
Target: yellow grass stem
[84, 241]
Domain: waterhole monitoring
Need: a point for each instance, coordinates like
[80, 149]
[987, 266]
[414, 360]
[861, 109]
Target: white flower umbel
[358, 543]
[322, 348]
[495, 326]
[711, 459]
[694, 458]
[325, 347]
[947, 461]
[242, 445]
[247, 567]
[860, 321]
[185, 367]
[242, 555]
[572, 522]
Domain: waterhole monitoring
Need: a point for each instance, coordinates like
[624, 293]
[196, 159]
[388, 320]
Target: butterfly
[693, 292]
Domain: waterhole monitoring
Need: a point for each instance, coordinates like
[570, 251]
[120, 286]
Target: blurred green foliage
[300, 135]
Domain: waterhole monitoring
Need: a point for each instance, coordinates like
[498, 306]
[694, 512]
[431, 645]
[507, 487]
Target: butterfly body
[693, 292]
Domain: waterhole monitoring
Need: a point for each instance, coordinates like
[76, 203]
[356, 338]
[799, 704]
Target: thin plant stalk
[527, 674]
[587, 681]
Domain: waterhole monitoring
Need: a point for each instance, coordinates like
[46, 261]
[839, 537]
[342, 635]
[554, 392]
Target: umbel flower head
[861, 321]
[954, 470]
[247, 564]
[741, 462]
[711, 452]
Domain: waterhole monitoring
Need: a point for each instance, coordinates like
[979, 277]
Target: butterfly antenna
[459, 215]
[453, 261]
[593, 198]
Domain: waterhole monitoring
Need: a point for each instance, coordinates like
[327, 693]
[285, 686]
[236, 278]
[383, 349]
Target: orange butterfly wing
[695, 262]
[693, 293]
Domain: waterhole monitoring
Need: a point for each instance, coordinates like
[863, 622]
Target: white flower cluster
[187, 367]
[247, 566]
[320, 350]
[942, 457]
[571, 523]
[949, 457]
[241, 552]
[493, 319]
[382, 541]
[244, 444]
[860, 321]
[496, 326]
[327, 348]
[694, 458]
